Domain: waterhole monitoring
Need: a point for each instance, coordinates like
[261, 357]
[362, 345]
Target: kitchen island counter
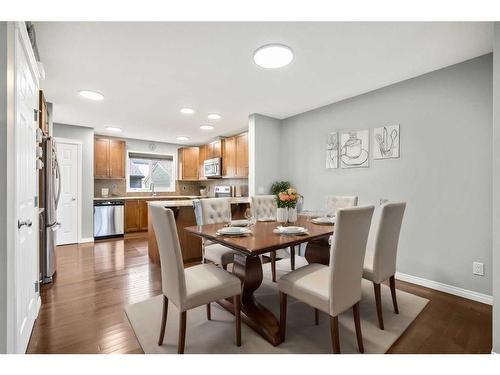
[185, 217]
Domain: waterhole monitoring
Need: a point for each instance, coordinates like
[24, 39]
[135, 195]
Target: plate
[266, 219]
[240, 223]
[233, 231]
[291, 230]
[323, 220]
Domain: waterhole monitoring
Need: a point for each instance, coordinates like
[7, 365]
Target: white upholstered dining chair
[214, 211]
[381, 252]
[337, 287]
[263, 209]
[191, 287]
[319, 248]
[334, 202]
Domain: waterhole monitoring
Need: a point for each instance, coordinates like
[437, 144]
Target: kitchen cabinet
[109, 158]
[214, 149]
[136, 215]
[143, 215]
[235, 161]
[242, 155]
[229, 161]
[43, 121]
[132, 215]
[202, 156]
[188, 163]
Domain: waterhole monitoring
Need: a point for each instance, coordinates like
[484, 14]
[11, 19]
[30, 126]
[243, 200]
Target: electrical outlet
[478, 268]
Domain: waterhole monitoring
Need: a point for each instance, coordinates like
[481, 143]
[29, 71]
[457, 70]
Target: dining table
[247, 265]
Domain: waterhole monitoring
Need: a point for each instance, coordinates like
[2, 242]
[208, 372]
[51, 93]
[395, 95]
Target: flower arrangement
[286, 196]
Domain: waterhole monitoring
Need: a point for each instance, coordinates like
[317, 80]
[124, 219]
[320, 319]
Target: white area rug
[302, 336]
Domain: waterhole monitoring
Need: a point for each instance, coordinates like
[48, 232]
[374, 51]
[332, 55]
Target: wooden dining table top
[263, 239]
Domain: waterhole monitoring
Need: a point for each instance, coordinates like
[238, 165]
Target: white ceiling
[148, 71]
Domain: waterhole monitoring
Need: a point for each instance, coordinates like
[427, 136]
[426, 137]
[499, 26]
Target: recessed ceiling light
[206, 127]
[187, 111]
[214, 116]
[92, 95]
[182, 138]
[273, 56]
[113, 129]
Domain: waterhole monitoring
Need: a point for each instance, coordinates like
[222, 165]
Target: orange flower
[284, 197]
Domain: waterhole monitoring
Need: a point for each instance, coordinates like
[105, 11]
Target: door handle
[21, 223]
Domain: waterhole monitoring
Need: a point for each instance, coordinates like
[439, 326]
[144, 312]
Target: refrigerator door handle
[58, 175]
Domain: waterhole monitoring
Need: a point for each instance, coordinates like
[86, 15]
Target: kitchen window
[145, 169]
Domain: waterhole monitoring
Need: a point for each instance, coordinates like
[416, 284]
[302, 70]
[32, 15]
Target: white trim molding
[465, 293]
[86, 240]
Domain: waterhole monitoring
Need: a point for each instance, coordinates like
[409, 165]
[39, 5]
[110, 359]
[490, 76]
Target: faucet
[152, 186]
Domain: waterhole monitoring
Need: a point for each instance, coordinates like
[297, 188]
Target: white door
[67, 210]
[26, 239]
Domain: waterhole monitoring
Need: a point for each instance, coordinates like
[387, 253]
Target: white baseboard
[469, 294]
[85, 240]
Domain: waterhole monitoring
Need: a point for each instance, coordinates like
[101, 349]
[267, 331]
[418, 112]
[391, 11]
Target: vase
[292, 214]
[281, 215]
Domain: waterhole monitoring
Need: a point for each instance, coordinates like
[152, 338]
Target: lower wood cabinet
[136, 215]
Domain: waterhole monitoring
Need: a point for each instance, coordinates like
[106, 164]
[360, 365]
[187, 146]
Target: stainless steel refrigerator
[51, 195]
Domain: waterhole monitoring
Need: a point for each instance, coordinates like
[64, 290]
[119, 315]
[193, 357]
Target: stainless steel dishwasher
[108, 219]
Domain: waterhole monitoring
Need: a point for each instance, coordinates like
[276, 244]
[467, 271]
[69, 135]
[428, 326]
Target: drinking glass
[227, 219]
[249, 216]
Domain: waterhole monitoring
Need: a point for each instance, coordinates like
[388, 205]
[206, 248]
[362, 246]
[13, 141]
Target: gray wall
[86, 136]
[264, 135]
[444, 172]
[3, 187]
[496, 187]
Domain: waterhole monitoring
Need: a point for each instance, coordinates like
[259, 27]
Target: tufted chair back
[334, 202]
[215, 210]
[264, 207]
[173, 282]
[347, 254]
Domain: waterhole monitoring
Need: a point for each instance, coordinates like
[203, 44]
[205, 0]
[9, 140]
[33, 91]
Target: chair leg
[209, 315]
[163, 320]
[292, 258]
[392, 282]
[237, 314]
[334, 331]
[378, 302]
[357, 324]
[182, 332]
[283, 303]
[273, 265]
[316, 316]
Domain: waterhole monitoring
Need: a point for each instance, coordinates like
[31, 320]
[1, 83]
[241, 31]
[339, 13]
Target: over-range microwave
[212, 168]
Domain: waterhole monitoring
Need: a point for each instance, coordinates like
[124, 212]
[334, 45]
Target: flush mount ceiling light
[113, 129]
[272, 56]
[214, 116]
[187, 111]
[92, 95]
[182, 138]
[206, 127]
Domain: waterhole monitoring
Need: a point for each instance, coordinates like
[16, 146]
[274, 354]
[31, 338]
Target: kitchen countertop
[189, 202]
[165, 197]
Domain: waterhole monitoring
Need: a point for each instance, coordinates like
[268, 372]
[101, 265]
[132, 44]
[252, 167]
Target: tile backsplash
[118, 187]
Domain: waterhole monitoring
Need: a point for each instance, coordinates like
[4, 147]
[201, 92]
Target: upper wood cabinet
[229, 160]
[202, 156]
[109, 158]
[188, 163]
[43, 120]
[213, 150]
[235, 160]
[242, 155]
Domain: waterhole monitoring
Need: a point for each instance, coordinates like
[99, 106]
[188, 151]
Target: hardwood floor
[82, 312]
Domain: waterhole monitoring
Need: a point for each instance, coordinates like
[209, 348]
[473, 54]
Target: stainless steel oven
[212, 168]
